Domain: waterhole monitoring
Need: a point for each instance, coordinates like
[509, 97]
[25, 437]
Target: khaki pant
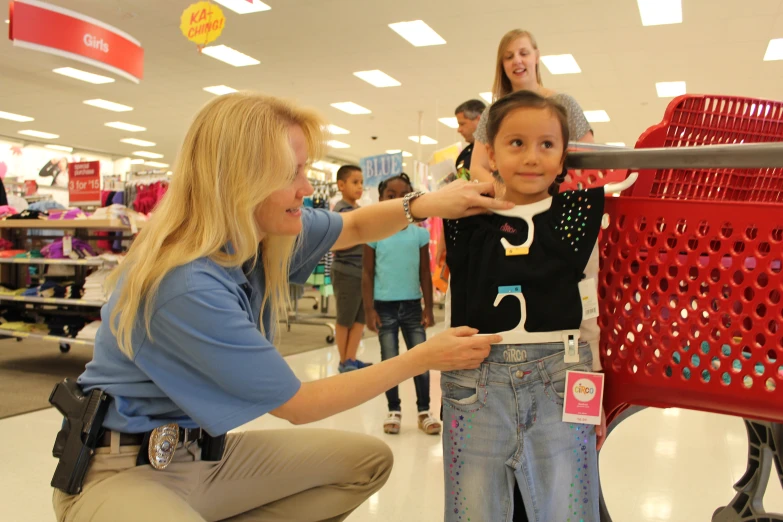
[284, 475]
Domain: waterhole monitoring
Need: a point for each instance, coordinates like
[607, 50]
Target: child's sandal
[428, 424]
[391, 424]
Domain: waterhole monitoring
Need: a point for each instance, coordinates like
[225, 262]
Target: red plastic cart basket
[690, 284]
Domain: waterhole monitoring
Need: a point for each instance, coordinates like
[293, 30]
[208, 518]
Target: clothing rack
[657, 231]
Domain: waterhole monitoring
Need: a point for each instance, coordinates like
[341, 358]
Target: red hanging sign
[55, 30]
[84, 183]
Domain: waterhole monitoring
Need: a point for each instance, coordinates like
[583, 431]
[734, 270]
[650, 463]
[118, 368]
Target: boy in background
[347, 277]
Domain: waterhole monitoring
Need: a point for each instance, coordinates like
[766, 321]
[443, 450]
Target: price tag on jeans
[584, 394]
[587, 291]
[67, 245]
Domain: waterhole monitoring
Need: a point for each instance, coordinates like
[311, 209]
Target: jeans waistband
[525, 363]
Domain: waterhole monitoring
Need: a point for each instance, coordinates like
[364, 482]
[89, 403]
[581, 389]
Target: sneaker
[347, 366]
[360, 364]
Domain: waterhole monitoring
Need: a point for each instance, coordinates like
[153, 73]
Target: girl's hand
[372, 319]
[427, 318]
[458, 199]
[600, 431]
[454, 349]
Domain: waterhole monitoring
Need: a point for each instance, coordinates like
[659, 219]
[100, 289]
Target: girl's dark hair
[402, 177]
[528, 100]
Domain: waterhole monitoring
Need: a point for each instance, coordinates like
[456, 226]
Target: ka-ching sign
[84, 183]
[55, 30]
[202, 23]
[379, 168]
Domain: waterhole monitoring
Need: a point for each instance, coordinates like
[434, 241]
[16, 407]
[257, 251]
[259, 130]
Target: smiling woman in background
[519, 69]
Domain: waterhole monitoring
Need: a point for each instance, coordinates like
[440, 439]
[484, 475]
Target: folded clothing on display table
[59, 290]
[93, 285]
[90, 331]
[46, 205]
[6, 210]
[29, 214]
[79, 250]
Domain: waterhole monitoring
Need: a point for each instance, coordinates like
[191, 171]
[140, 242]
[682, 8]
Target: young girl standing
[504, 421]
[396, 275]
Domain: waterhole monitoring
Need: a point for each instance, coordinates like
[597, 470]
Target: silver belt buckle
[163, 444]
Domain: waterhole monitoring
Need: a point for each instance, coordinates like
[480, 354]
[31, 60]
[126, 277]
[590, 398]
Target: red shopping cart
[691, 286]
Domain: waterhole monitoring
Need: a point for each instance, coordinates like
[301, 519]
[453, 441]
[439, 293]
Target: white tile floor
[672, 465]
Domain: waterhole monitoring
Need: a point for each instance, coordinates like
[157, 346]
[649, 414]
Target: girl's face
[395, 189]
[280, 214]
[519, 63]
[528, 153]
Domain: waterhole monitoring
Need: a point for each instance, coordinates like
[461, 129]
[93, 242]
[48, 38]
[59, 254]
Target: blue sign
[379, 168]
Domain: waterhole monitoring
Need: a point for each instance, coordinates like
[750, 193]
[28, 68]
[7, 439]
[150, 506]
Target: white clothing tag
[67, 245]
[571, 345]
[134, 227]
[587, 291]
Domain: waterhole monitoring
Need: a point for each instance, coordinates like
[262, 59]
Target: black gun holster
[75, 443]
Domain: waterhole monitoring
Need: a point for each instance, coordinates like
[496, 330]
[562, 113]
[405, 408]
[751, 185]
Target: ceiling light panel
[244, 6]
[15, 117]
[405, 154]
[377, 78]
[334, 129]
[138, 143]
[660, 12]
[337, 144]
[109, 106]
[596, 116]
[449, 122]
[220, 90]
[230, 56]
[84, 76]
[774, 50]
[417, 33]
[147, 154]
[125, 126]
[351, 108]
[670, 89]
[60, 147]
[561, 64]
[424, 140]
[39, 134]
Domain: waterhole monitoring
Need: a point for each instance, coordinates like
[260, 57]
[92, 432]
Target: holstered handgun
[76, 441]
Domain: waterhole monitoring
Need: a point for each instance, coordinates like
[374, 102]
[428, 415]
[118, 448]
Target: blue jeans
[505, 424]
[405, 315]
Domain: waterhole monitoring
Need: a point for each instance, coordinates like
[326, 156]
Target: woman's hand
[458, 199]
[454, 349]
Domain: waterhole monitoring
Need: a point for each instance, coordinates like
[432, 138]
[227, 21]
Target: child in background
[505, 419]
[347, 277]
[396, 275]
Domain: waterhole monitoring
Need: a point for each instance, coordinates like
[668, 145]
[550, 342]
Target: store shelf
[51, 300]
[97, 261]
[54, 338]
[64, 224]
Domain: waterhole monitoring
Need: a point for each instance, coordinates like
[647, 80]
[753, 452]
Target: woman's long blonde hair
[235, 154]
[502, 85]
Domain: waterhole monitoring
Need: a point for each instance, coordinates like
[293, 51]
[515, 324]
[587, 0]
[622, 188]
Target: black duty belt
[136, 439]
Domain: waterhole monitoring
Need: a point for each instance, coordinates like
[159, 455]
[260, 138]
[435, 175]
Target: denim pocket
[461, 390]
